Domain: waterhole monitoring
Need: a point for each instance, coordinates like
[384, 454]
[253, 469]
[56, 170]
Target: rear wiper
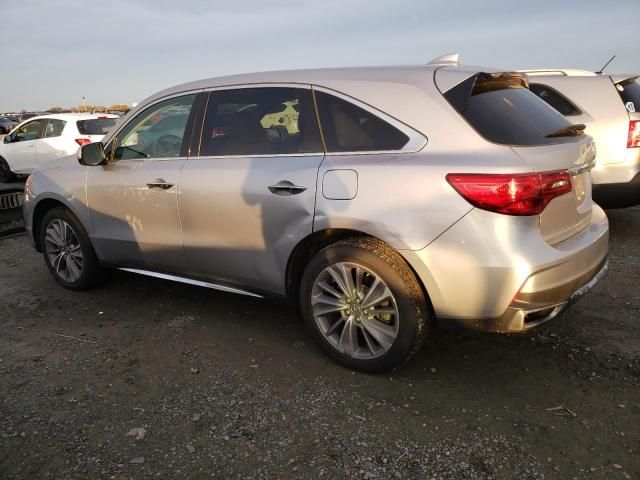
[570, 131]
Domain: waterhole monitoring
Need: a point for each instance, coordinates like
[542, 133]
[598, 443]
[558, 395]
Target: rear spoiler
[623, 79]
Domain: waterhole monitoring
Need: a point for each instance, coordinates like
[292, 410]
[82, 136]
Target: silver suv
[609, 106]
[400, 195]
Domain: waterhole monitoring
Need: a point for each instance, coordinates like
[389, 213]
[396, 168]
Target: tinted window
[509, 116]
[54, 128]
[630, 94]
[260, 121]
[30, 131]
[95, 126]
[349, 128]
[157, 132]
[553, 98]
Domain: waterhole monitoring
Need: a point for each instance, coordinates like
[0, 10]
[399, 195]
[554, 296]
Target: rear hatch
[502, 109]
[628, 87]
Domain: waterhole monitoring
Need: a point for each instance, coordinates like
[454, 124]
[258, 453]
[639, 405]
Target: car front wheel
[67, 250]
[364, 305]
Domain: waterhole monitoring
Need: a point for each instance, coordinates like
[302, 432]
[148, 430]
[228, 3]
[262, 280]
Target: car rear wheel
[6, 175]
[67, 250]
[364, 305]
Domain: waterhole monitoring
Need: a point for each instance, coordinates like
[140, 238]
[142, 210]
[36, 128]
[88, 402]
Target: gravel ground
[221, 386]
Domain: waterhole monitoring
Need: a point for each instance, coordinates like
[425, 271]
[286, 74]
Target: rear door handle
[285, 188]
[160, 183]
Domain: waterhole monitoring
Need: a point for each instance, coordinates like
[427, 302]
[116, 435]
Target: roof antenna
[599, 72]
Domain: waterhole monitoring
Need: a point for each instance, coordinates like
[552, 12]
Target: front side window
[157, 132]
[349, 128]
[260, 121]
[54, 128]
[27, 132]
[555, 99]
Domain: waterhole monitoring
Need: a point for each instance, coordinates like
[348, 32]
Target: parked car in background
[40, 139]
[6, 124]
[368, 213]
[26, 116]
[609, 106]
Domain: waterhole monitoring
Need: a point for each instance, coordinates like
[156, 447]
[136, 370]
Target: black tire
[6, 175]
[414, 312]
[91, 272]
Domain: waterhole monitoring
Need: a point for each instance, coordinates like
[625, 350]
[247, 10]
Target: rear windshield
[95, 126]
[507, 112]
[630, 94]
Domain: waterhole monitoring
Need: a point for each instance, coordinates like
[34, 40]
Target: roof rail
[544, 72]
[448, 59]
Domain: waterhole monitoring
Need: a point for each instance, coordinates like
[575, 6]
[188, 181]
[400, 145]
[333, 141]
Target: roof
[322, 77]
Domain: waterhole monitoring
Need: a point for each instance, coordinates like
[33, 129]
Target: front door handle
[285, 188]
[160, 183]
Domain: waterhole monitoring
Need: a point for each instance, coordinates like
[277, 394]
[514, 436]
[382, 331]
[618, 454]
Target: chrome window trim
[417, 141]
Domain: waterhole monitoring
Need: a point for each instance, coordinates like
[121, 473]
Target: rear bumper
[542, 306]
[495, 272]
[618, 195]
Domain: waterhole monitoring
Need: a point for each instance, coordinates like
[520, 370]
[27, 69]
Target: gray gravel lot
[230, 387]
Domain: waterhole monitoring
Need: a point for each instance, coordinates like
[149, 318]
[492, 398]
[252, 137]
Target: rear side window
[260, 121]
[555, 99]
[349, 128]
[506, 112]
[54, 128]
[95, 126]
[630, 94]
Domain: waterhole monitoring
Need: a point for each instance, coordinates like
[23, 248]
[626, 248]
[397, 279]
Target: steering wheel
[167, 146]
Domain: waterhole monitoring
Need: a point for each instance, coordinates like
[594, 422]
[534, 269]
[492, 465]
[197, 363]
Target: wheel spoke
[348, 279]
[56, 262]
[383, 334]
[349, 337]
[368, 340]
[337, 277]
[374, 298]
[327, 288]
[53, 236]
[334, 327]
[73, 268]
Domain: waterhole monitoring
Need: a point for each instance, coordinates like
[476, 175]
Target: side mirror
[8, 138]
[92, 154]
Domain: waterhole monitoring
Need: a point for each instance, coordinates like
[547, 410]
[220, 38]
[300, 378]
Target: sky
[121, 51]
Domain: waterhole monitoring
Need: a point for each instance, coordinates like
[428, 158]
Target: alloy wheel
[354, 310]
[63, 250]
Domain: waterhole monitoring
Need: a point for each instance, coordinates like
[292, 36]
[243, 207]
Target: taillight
[82, 141]
[511, 193]
[633, 140]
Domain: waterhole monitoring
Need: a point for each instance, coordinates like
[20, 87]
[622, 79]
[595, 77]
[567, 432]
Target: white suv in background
[609, 105]
[39, 139]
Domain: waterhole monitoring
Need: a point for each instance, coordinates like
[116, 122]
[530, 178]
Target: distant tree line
[120, 107]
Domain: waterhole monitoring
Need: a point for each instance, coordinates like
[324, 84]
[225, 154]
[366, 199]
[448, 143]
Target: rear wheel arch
[312, 244]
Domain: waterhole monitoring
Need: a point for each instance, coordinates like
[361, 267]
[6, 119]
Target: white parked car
[609, 106]
[40, 139]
